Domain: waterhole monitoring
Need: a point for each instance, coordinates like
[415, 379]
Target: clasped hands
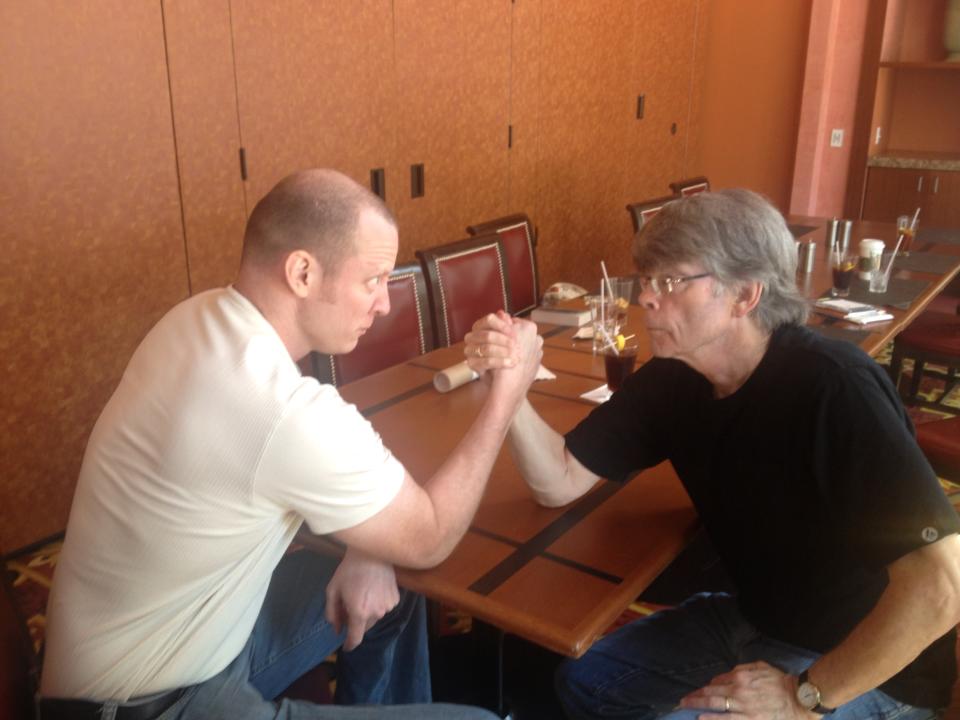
[499, 341]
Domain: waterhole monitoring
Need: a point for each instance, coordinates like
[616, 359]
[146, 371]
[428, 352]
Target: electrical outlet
[836, 138]
[876, 137]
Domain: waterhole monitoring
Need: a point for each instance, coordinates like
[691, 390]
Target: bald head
[312, 210]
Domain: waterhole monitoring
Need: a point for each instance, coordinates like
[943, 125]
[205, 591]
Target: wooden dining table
[559, 577]
[941, 261]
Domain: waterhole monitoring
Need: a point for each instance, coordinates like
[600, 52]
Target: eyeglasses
[660, 285]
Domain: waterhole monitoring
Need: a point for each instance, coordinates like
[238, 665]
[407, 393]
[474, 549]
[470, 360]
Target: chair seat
[940, 442]
[934, 332]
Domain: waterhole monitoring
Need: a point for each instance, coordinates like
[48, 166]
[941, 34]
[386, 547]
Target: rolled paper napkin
[454, 376]
[460, 374]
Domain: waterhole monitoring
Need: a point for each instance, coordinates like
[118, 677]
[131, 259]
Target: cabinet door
[90, 229]
[663, 61]
[587, 102]
[453, 84]
[942, 208]
[315, 88]
[204, 100]
[892, 192]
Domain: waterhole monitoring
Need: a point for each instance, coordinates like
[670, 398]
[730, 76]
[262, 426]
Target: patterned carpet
[31, 572]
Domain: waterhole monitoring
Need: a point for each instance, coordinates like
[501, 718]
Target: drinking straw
[603, 314]
[609, 340]
[886, 273]
[913, 223]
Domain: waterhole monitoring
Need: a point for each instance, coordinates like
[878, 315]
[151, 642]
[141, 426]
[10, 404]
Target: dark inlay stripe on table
[374, 409]
[535, 546]
[588, 569]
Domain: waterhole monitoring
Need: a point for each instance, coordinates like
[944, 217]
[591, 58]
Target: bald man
[173, 596]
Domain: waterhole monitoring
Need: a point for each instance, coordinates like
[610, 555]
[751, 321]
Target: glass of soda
[619, 364]
[843, 264]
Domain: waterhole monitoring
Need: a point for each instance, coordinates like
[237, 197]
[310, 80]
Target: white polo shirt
[198, 473]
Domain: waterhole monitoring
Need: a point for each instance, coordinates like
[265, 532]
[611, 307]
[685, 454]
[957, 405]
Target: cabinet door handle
[920, 184]
[936, 184]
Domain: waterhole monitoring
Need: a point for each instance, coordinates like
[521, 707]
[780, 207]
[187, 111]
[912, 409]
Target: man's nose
[647, 298]
[382, 305]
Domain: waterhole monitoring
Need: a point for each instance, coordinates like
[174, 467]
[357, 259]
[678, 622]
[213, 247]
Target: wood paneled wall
[93, 246]
[121, 125]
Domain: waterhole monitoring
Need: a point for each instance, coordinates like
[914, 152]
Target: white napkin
[544, 374]
[584, 333]
[598, 395]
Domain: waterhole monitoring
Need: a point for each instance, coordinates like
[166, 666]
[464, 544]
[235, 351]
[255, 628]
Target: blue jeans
[643, 669]
[388, 670]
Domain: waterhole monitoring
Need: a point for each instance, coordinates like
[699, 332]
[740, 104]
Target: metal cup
[808, 253]
[832, 226]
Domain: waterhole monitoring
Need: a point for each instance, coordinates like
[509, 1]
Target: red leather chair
[940, 442]
[641, 212]
[465, 280]
[519, 248]
[934, 337]
[18, 665]
[690, 186]
[407, 331]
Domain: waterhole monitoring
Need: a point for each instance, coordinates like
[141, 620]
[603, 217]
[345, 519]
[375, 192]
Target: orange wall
[834, 55]
[752, 87]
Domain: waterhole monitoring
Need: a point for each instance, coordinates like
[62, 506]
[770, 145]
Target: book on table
[571, 317]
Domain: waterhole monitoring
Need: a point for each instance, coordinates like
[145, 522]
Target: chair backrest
[18, 667]
[641, 212]
[405, 332]
[519, 248]
[690, 186]
[465, 280]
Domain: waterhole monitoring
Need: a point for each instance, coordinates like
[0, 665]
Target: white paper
[867, 318]
[544, 374]
[598, 395]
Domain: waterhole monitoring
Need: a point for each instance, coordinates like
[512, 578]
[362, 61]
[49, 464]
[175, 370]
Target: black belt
[58, 709]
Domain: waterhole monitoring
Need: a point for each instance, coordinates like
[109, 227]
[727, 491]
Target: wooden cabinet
[899, 191]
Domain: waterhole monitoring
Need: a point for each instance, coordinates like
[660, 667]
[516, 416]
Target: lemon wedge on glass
[621, 342]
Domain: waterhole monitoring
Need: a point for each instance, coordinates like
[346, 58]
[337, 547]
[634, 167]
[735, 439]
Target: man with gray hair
[175, 595]
[802, 465]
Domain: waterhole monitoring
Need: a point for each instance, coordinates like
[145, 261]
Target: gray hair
[313, 210]
[737, 236]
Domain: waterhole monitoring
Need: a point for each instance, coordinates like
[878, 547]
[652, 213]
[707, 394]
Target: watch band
[818, 708]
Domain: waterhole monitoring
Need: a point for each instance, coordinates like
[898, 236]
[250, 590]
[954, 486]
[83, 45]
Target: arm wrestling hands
[423, 523]
[553, 474]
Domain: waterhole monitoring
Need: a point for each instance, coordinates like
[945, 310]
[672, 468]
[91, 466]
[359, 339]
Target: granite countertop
[916, 160]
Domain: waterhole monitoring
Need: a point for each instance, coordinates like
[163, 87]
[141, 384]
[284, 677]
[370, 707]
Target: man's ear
[748, 297]
[302, 272]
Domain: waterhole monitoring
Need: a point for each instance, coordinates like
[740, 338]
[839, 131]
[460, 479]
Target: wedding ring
[726, 704]
[479, 351]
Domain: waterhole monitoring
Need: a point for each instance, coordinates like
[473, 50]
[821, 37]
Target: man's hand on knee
[361, 591]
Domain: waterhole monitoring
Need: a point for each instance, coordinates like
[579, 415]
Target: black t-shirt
[808, 481]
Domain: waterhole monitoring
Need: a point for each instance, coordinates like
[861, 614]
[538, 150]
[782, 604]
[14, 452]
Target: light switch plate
[836, 138]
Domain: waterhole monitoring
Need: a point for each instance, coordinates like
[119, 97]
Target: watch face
[808, 695]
